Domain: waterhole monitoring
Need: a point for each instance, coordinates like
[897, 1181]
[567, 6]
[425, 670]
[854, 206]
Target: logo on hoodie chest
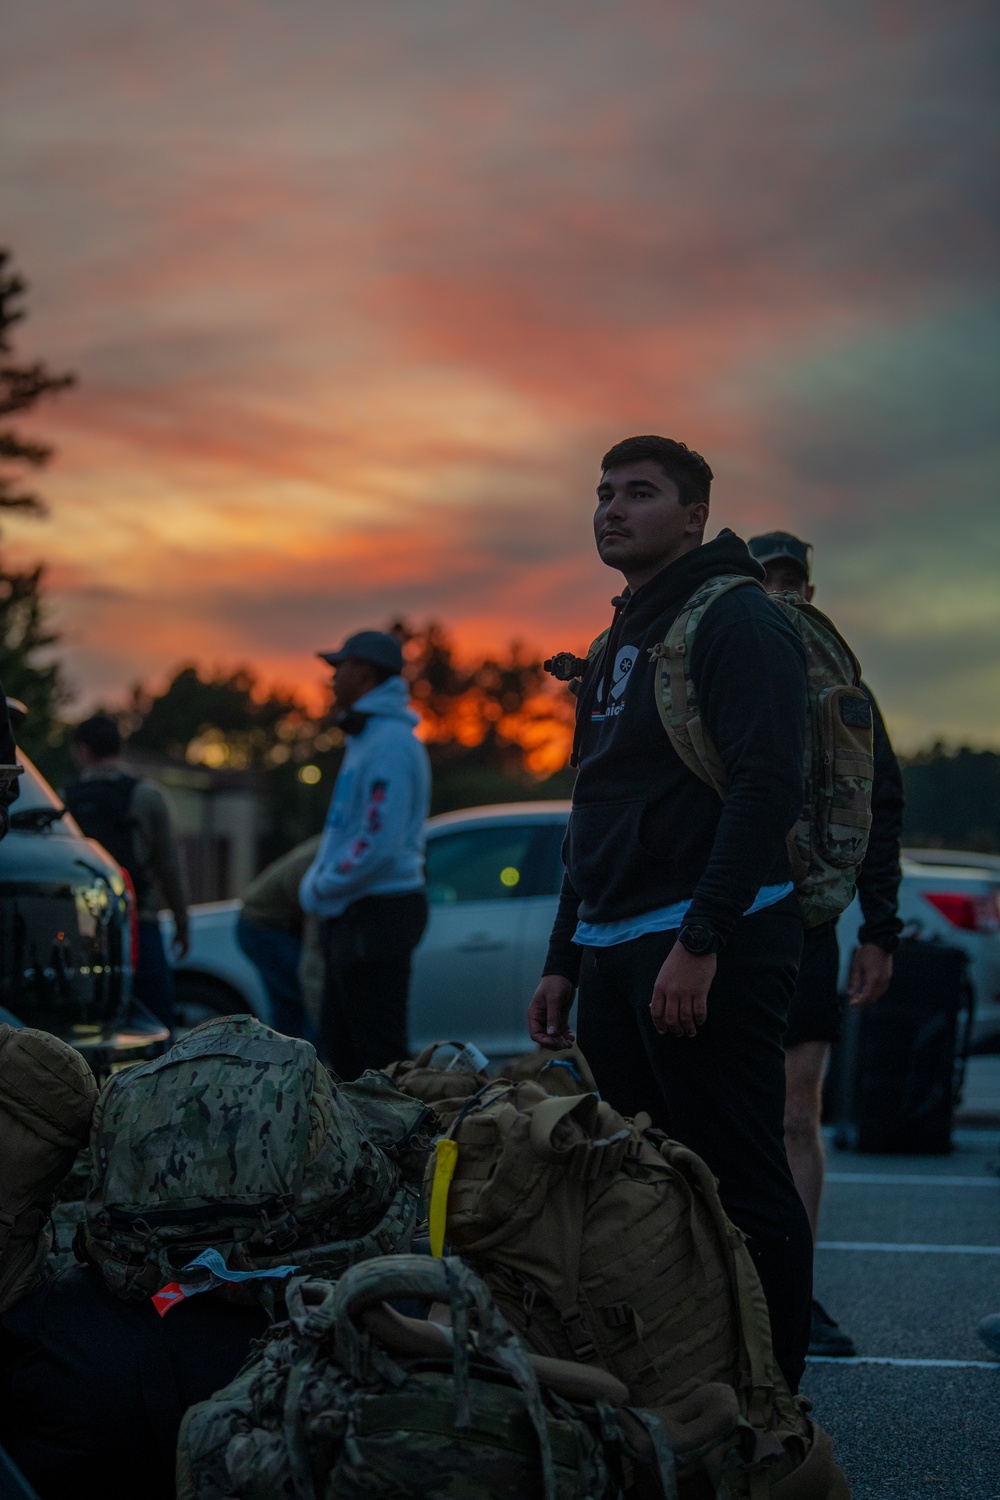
[624, 662]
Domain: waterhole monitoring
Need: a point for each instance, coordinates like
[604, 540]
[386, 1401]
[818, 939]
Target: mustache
[618, 530]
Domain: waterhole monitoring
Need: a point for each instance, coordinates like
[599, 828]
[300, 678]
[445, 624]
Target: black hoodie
[646, 832]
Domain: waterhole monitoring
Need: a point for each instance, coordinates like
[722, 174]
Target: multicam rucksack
[351, 1401]
[236, 1140]
[828, 842]
[604, 1242]
[47, 1095]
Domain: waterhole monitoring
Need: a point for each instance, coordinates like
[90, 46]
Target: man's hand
[680, 994]
[548, 1013]
[871, 970]
[181, 945]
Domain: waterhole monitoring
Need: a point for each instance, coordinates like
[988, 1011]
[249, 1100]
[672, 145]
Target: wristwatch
[699, 940]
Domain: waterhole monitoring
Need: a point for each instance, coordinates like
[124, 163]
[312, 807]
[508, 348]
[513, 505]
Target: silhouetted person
[270, 933]
[130, 818]
[815, 1014]
[367, 880]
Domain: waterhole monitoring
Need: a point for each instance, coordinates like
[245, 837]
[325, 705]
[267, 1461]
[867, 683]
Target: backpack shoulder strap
[676, 699]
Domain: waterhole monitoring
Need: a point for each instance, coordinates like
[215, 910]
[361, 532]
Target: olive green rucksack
[351, 1401]
[829, 840]
[605, 1242]
[237, 1140]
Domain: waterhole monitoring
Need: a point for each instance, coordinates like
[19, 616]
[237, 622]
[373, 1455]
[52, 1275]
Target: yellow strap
[444, 1171]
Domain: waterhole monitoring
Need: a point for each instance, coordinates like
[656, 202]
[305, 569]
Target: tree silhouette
[21, 386]
[27, 671]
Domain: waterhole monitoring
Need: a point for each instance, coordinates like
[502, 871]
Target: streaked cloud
[359, 294]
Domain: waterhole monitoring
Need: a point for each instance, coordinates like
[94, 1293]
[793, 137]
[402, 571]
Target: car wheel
[197, 1000]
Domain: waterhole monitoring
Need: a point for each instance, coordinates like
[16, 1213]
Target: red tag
[167, 1297]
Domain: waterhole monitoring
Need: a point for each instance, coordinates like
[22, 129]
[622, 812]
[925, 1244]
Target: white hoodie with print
[373, 841]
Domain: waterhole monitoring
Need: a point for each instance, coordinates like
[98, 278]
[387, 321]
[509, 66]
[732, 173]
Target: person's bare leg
[805, 1065]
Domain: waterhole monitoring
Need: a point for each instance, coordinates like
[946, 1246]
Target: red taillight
[970, 913]
[133, 917]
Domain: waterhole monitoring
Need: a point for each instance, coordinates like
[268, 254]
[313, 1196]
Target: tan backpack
[47, 1095]
[605, 1242]
[424, 1078]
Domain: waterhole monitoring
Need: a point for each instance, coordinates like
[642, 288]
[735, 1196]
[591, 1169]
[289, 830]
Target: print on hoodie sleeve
[373, 824]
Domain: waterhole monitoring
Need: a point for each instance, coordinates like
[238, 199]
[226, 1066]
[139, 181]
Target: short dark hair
[100, 734]
[687, 469]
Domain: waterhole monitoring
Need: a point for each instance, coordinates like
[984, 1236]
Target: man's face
[640, 525]
[351, 680]
[784, 576]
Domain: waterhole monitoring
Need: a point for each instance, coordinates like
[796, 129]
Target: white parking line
[901, 1179]
[919, 1364]
[908, 1249]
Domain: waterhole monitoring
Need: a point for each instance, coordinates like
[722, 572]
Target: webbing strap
[761, 1384]
[684, 728]
[578, 1335]
[547, 1115]
[512, 1431]
[850, 818]
[853, 763]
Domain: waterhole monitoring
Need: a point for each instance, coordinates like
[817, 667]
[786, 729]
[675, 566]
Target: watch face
[698, 940]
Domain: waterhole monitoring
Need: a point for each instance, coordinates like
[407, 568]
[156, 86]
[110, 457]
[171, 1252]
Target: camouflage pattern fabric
[325, 1411]
[237, 1139]
[828, 843]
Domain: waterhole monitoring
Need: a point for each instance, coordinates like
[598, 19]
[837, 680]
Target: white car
[493, 877]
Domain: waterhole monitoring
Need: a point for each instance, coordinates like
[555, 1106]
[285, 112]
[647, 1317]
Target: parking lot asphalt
[908, 1262]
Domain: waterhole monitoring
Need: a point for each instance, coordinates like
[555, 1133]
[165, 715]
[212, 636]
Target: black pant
[721, 1093]
[367, 954]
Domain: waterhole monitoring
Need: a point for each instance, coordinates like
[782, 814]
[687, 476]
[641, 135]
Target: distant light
[310, 775]
[509, 876]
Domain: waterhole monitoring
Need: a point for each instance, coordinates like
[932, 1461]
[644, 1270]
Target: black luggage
[902, 1060]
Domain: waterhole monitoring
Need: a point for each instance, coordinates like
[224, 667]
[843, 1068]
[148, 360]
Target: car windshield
[34, 789]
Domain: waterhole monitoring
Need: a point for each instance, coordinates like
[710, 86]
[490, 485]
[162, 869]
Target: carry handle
[547, 1115]
[448, 1280]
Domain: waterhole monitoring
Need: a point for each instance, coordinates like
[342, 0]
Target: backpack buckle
[578, 1334]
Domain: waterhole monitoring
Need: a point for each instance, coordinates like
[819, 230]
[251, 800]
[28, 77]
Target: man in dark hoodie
[678, 919]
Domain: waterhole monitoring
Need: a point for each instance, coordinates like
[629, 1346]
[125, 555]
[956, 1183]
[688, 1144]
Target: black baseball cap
[376, 646]
[782, 544]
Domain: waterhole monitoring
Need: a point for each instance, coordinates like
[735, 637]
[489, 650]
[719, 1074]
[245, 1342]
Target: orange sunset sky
[358, 294]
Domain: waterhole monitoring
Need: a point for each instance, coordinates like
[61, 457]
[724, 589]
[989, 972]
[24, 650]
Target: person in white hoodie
[366, 883]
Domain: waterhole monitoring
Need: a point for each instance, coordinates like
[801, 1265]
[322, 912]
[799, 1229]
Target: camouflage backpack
[829, 840]
[605, 1242]
[351, 1401]
[237, 1141]
[47, 1095]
